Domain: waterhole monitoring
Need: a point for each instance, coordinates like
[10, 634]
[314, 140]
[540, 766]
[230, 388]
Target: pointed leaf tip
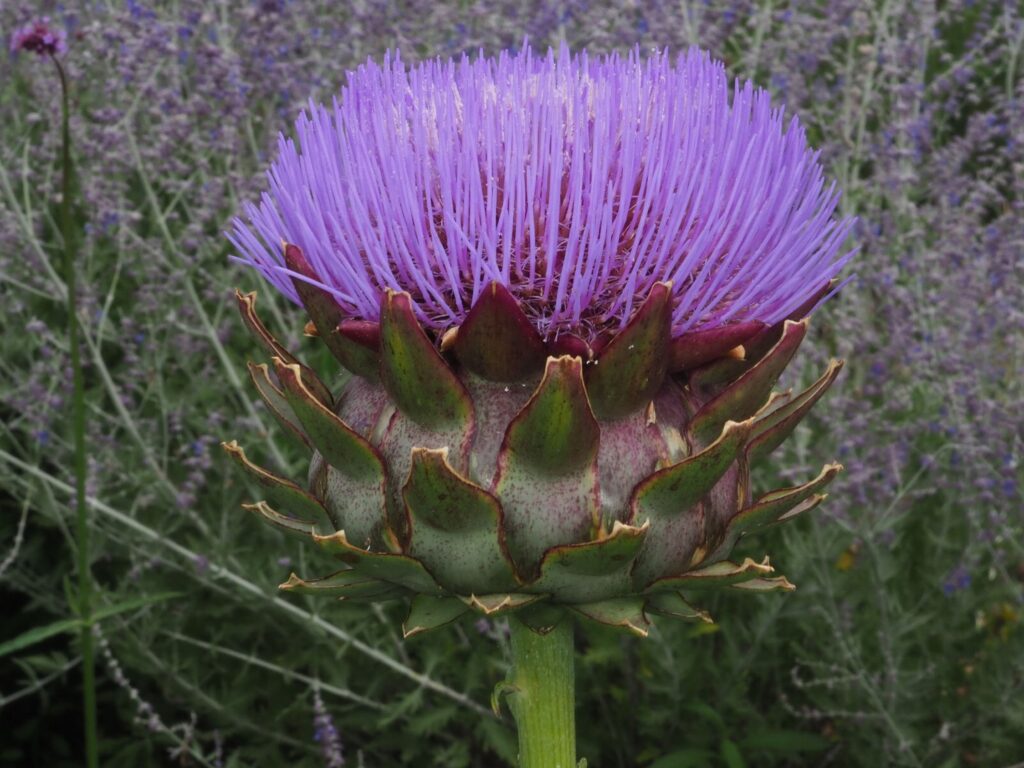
[455, 527]
[346, 585]
[327, 316]
[386, 566]
[631, 367]
[555, 432]
[247, 308]
[775, 507]
[569, 344]
[759, 345]
[669, 500]
[745, 396]
[491, 605]
[672, 491]
[357, 478]
[714, 576]
[592, 571]
[287, 523]
[276, 402]
[622, 612]
[358, 347]
[279, 490]
[772, 584]
[547, 467]
[697, 348]
[497, 341]
[339, 444]
[413, 371]
[427, 612]
[673, 605]
[775, 425]
[363, 332]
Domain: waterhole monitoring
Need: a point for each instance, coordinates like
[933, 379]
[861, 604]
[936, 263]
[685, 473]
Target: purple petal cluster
[39, 37]
[577, 182]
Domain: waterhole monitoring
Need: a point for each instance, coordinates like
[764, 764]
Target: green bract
[487, 471]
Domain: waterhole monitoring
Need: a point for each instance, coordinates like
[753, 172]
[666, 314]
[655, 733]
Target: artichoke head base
[490, 470]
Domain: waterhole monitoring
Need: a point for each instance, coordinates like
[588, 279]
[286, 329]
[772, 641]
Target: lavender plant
[901, 646]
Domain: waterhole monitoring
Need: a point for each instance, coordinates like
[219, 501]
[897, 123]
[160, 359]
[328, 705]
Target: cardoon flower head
[39, 37]
[564, 288]
[577, 183]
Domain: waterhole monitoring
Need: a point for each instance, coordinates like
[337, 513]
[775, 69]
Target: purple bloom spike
[578, 182]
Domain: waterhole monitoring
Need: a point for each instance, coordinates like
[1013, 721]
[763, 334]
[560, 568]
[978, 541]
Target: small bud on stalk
[39, 37]
[43, 39]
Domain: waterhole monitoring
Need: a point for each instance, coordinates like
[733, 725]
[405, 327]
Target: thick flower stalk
[43, 39]
[564, 288]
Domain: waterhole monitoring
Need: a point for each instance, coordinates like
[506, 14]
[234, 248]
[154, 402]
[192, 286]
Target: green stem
[542, 700]
[78, 433]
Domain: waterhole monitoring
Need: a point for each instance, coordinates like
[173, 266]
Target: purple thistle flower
[578, 182]
[39, 37]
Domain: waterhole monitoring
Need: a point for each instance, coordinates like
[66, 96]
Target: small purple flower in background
[39, 37]
[326, 734]
[958, 580]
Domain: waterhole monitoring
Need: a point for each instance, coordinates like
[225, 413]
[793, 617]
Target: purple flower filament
[577, 182]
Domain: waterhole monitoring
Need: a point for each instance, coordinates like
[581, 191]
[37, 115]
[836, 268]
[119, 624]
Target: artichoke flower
[561, 290]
